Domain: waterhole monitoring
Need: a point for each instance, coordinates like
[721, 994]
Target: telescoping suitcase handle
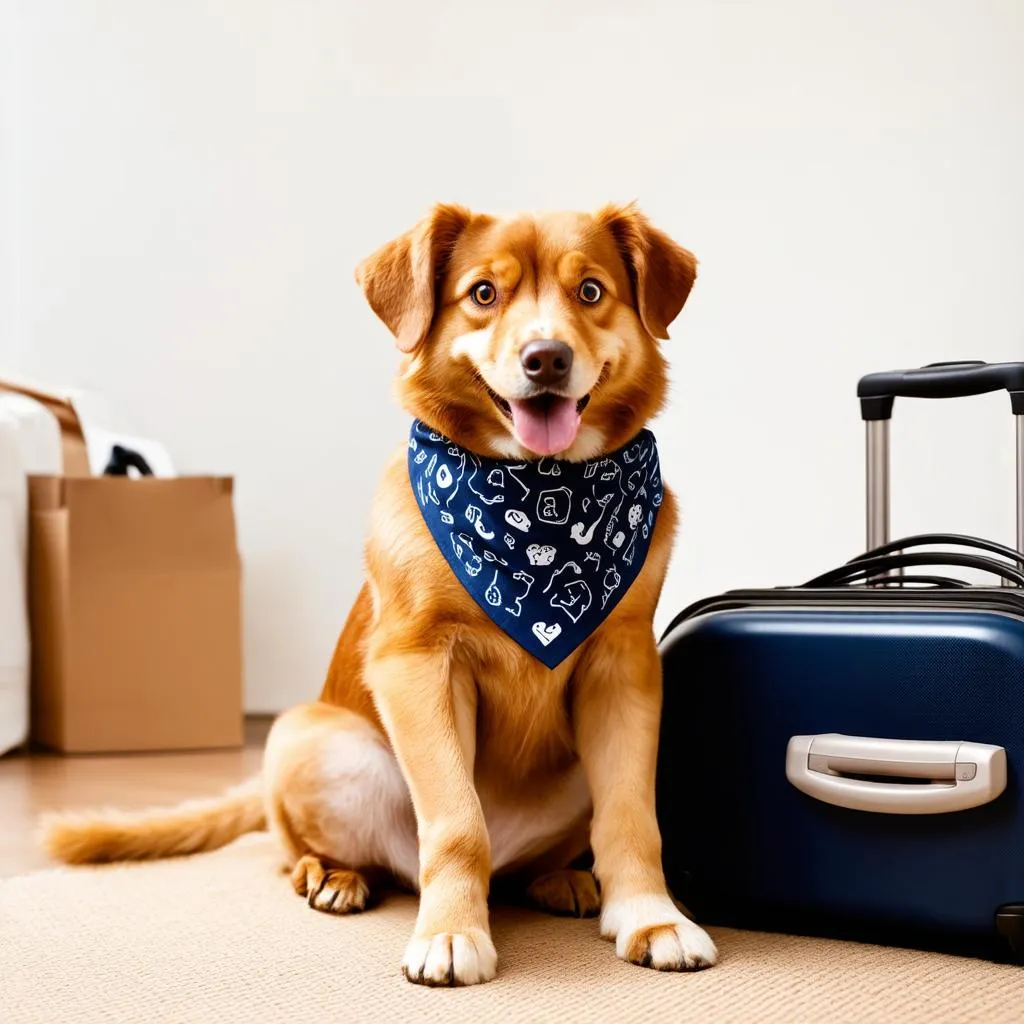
[878, 391]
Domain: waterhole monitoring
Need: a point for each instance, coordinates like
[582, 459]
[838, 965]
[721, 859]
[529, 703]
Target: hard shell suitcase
[853, 749]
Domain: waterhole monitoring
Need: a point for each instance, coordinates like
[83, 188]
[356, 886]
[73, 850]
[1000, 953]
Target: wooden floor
[32, 783]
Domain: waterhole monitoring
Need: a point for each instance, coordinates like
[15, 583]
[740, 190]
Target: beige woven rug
[222, 938]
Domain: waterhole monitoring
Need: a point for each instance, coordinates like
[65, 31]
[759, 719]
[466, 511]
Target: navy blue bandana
[546, 548]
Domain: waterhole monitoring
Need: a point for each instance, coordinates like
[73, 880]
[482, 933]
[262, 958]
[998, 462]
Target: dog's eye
[590, 292]
[483, 293]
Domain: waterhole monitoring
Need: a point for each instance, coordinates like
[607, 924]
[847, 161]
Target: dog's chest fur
[523, 716]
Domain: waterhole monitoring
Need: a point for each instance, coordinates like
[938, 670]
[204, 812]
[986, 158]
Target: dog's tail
[100, 836]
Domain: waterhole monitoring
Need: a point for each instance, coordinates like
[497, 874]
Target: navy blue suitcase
[846, 758]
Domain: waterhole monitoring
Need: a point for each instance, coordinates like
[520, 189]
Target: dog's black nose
[546, 363]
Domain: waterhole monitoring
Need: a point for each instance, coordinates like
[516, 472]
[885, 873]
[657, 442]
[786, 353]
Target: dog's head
[531, 335]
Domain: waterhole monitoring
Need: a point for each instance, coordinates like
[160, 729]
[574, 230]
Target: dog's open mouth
[547, 423]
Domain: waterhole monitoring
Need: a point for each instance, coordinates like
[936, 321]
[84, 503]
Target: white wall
[197, 180]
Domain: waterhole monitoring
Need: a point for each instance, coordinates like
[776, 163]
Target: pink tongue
[546, 428]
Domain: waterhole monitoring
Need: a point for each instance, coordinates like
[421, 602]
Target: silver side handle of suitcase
[857, 772]
[877, 392]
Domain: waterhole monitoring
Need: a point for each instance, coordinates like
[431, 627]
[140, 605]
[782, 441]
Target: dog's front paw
[450, 958]
[651, 931]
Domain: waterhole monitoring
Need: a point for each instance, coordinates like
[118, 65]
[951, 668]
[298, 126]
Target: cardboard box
[135, 608]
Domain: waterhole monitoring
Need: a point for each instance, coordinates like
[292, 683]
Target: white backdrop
[186, 188]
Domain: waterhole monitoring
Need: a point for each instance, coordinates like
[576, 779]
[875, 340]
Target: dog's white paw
[651, 931]
[450, 958]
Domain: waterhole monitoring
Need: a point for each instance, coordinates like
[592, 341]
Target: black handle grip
[869, 567]
[877, 391]
[920, 540]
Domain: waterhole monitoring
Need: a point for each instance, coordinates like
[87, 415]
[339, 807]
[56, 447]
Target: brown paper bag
[136, 625]
[135, 607]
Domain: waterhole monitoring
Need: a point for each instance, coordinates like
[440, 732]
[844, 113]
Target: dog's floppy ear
[400, 278]
[662, 271]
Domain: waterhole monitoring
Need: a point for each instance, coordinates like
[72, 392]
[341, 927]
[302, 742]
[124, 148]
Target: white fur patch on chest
[521, 828]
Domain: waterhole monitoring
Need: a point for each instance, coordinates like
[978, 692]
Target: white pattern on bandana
[546, 548]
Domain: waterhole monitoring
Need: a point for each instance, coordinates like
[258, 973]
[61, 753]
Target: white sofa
[29, 443]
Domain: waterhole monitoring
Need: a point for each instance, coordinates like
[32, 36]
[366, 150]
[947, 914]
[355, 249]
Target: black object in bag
[122, 459]
[859, 739]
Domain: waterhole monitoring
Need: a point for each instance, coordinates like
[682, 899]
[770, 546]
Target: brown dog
[440, 751]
